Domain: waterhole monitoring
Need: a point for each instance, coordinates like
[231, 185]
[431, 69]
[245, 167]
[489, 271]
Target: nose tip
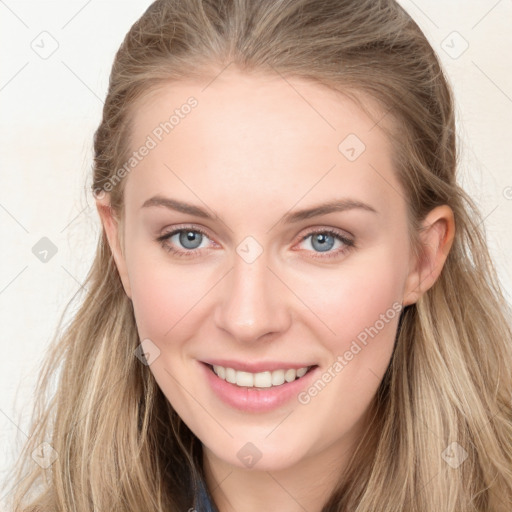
[252, 305]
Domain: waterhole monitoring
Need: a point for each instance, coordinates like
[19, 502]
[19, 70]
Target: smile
[265, 379]
[260, 391]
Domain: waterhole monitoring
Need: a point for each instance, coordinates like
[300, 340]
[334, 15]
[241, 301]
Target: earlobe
[111, 226]
[436, 237]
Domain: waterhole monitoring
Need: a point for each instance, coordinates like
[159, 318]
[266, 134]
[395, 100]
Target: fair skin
[251, 152]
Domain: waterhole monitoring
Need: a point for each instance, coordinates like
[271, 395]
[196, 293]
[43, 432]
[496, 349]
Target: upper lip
[256, 367]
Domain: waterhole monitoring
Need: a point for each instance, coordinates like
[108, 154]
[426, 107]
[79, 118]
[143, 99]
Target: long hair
[447, 391]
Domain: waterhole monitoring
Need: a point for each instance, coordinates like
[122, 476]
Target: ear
[111, 225]
[436, 237]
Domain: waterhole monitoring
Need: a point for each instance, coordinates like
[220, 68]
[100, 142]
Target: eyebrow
[337, 205]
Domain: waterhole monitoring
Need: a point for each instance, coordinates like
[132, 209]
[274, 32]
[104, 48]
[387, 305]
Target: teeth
[230, 374]
[220, 371]
[290, 375]
[245, 379]
[262, 380]
[259, 380]
[277, 377]
[301, 372]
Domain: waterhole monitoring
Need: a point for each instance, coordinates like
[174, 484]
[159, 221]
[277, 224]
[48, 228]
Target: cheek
[165, 294]
[362, 298]
[361, 303]
[356, 294]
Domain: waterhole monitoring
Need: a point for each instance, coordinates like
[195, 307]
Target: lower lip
[256, 399]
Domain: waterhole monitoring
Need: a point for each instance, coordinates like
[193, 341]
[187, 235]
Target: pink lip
[256, 399]
[257, 367]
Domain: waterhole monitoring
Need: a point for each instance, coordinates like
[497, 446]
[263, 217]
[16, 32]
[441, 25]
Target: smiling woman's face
[252, 284]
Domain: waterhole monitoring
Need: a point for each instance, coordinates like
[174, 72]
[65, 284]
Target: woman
[292, 305]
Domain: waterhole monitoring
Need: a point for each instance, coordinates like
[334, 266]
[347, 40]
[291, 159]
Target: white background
[51, 107]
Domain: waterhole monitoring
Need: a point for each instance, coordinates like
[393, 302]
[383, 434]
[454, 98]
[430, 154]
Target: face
[265, 230]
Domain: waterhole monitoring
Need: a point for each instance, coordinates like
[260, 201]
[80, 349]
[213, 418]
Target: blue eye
[323, 241]
[189, 239]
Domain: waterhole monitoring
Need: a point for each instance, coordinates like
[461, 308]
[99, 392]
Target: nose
[253, 302]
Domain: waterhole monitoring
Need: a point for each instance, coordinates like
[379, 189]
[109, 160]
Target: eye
[184, 242]
[322, 241]
[190, 241]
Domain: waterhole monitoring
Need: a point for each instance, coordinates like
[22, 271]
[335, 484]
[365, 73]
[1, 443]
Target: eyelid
[342, 233]
[185, 227]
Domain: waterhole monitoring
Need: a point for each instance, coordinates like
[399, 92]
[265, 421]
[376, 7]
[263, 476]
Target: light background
[51, 106]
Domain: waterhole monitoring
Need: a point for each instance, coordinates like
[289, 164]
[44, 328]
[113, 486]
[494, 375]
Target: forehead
[256, 138]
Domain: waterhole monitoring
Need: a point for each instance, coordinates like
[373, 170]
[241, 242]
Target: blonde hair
[120, 444]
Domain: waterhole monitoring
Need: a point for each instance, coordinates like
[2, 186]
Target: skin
[255, 148]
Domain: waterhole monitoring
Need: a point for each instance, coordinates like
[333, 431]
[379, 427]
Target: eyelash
[192, 253]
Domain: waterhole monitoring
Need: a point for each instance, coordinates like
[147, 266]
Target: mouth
[269, 386]
[260, 380]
